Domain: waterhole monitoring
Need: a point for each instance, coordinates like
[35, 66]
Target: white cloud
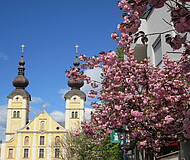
[58, 116]
[63, 92]
[95, 75]
[88, 113]
[3, 119]
[36, 100]
[45, 105]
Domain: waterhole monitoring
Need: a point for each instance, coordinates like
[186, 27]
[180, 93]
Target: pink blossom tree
[153, 103]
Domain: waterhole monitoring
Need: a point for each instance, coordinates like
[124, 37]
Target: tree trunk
[185, 146]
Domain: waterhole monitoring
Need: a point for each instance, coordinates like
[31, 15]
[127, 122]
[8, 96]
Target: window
[10, 154]
[41, 153]
[26, 151]
[73, 115]
[57, 152]
[76, 114]
[41, 140]
[147, 12]
[42, 125]
[157, 51]
[14, 114]
[26, 140]
[57, 140]
[18, 114]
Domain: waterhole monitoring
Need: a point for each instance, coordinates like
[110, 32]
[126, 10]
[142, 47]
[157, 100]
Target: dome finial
[22, 50]
[21, 62]
[76, 62]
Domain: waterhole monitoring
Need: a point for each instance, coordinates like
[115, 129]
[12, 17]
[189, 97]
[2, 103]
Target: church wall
[73, 105]
[17, 104]
[18, 146]
[29, 141]
[34, 131]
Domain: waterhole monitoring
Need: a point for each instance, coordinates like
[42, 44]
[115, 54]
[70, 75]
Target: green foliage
[120, 53]
[85, 148]
[109, 151]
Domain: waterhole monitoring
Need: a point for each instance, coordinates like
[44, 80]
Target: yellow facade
[42, 126]
[74, 113]
[40, 133]
[38, 139]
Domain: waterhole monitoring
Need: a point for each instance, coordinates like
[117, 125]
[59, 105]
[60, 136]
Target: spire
[76, 63]
[21, 67]
[21, 82]
[76, 84]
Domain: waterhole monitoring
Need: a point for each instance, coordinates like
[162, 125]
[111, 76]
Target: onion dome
[76, 63]
[21, 81]
[75, 84]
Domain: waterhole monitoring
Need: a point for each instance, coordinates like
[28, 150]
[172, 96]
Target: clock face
[17, 102]
[75, 100]
[17, 99]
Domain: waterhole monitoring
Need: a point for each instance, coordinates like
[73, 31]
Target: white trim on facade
[49, 153]
[18, 147]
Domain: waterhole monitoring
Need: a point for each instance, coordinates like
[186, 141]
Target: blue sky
[50, 29]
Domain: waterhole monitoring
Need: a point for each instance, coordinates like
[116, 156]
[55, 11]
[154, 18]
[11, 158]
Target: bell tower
[18, 102]
[75, 101]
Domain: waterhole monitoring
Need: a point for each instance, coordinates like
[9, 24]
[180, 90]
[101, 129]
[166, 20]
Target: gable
[43, 123]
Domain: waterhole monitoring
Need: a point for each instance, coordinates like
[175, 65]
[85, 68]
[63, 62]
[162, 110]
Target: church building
[38, 138]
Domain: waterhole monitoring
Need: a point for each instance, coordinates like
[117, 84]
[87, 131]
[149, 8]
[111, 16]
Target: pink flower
[188, 114]
[136, 113]
[143, 143]
[118, 107]
[168, 119]
[115, 36]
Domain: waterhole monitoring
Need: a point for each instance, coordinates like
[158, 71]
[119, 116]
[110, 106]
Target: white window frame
[157, 46]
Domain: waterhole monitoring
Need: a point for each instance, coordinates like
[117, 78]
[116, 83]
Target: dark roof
[76, 92]
[20, 82]
[62, 124]
[75, 84]
[20, 92]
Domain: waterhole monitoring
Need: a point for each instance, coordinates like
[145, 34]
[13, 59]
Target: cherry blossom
[152, 102]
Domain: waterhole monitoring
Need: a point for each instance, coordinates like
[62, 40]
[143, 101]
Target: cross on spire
[77, 46]
[22, 49]
[76, 62]
[44, 106]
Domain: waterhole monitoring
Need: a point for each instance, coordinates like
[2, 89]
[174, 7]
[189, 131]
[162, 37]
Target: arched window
[14, 114]
[26, 140]
[76, 114]
[73, 115]
[18, 114]
[57, 140]
[42, 125]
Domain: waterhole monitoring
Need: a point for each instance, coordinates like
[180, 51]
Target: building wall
[34, 130]
[73, 105]
[154, 23]
[17, 104]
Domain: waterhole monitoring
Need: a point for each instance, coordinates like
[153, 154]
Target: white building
[155, 21]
